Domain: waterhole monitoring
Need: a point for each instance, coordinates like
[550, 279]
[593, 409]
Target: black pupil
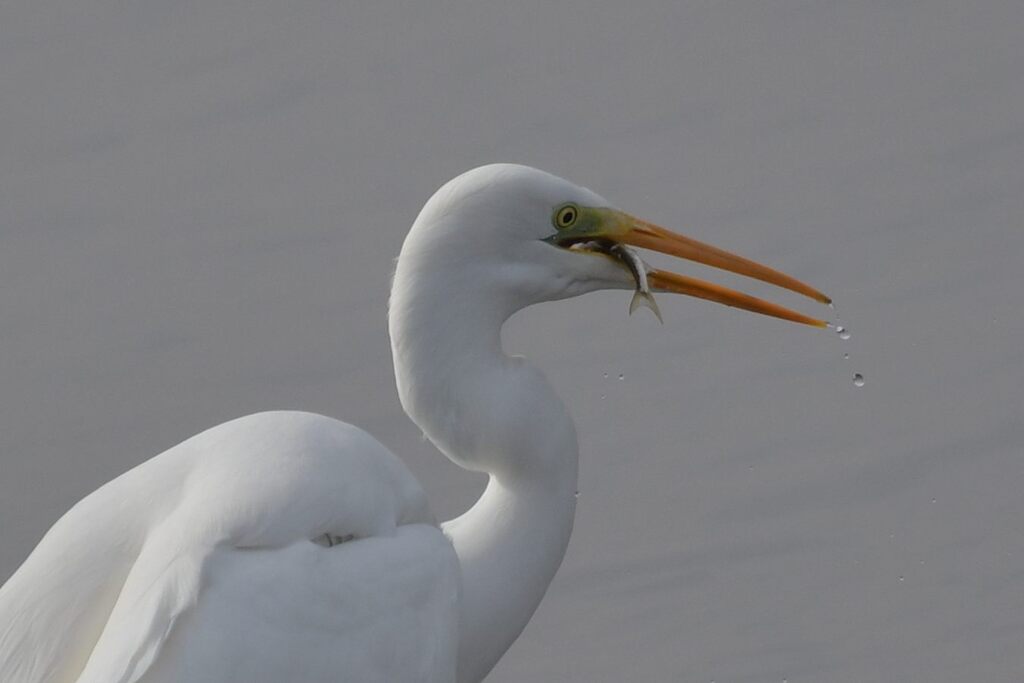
[567, 216]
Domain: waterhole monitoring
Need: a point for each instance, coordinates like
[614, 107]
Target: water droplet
[842, 332]
[933, 500]
[846, 356]
[621, 377]
[602, 397]
[576, 494]
[901, 579]
[606, 375]
[858, 380]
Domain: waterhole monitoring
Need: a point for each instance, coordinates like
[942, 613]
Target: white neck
[487, 412]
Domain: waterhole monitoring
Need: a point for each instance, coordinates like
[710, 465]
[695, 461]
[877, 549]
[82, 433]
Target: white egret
[287, 546]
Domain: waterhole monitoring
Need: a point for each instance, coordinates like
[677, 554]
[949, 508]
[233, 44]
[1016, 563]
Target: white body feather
[200, 565]
[200, 558]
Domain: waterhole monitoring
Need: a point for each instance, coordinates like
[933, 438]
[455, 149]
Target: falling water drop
[842, 332]
[846, 356]
[606, 375]
[858, 380]
[621, 377]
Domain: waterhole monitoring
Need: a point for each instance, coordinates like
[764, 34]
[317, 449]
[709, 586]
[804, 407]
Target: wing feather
[198, 565]
[376, 610]
[162, 585]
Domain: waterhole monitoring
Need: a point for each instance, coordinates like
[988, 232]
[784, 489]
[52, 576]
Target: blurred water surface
[200, 203]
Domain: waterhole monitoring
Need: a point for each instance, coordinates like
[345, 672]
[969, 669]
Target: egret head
[537, 237]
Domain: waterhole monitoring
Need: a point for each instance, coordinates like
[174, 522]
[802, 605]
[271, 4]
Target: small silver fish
[642, 296]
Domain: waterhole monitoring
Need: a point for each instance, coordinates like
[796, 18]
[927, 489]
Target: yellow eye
[566, 216]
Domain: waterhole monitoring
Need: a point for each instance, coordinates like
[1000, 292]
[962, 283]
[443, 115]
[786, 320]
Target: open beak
[621, 228]
[649, 236]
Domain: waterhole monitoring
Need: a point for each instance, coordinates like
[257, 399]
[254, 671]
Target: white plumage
[199, 563]
[287, 546]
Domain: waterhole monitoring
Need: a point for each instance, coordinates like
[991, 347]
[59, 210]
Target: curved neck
[510, 544]
[492, 413]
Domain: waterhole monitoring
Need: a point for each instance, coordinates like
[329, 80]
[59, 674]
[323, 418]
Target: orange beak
[640, 233]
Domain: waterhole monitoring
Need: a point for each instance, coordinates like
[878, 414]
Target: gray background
[200, 203]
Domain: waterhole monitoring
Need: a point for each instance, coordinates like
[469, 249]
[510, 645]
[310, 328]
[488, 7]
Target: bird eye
[566, 216]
